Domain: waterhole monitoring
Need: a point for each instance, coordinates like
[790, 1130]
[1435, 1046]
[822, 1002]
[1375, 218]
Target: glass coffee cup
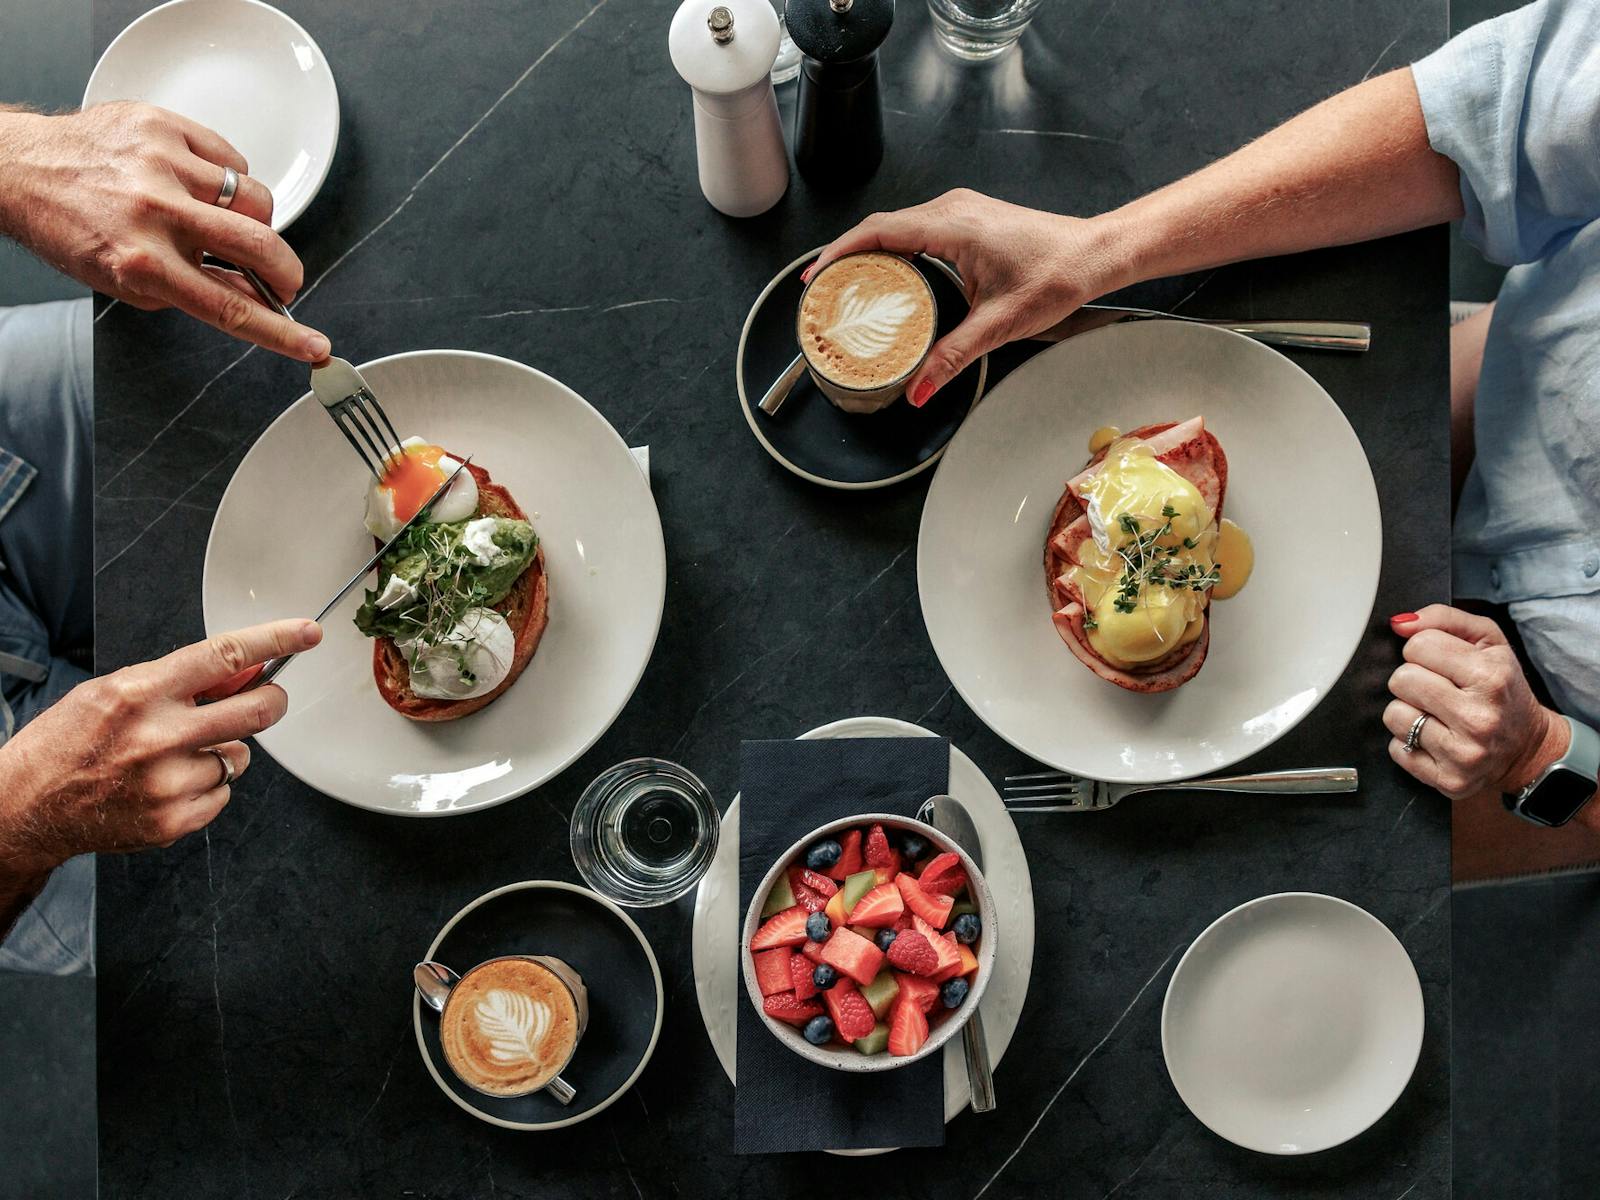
[865, 324]
[510, 1025]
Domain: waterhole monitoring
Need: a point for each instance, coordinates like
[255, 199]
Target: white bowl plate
[718, 917]
[244, 69]
[1292, 1023]
[1298, 482]
[288, 534]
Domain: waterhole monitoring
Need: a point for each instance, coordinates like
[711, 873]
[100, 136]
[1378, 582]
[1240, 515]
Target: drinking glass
[980, 29]
[644, 832]
[787, 65]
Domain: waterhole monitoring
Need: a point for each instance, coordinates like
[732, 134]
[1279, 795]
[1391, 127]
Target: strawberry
[911, 952]
[785, 1007]
[904, 923]
[788, 928]
[813, 951]
[849, 859]
[944, 947]
[820, 884]
[881, 906]
[806, 898]
[877, 850]
[853, 955]
[852, 1015]
[944, 874]
[800, 968]
[914, 989]
[772, 970]
[887, 874]
[908, 1029]
[933, 909]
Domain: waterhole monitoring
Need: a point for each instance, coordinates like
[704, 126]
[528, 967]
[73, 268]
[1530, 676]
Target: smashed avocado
[446, 578]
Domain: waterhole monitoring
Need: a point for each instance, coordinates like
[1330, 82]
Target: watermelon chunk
[849, 859]
[772, 970]
[851, 954]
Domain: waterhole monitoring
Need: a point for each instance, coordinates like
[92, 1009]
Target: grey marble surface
[519, 178]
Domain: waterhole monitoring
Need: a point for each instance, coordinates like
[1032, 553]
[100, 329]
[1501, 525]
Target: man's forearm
[1356, 166]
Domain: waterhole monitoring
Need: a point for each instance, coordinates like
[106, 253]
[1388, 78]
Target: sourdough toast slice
[526, 609]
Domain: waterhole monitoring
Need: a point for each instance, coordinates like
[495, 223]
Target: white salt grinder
[725, 52]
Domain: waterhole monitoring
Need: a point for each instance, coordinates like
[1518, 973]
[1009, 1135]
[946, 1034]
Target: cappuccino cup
[510, 1025]
[865, 324]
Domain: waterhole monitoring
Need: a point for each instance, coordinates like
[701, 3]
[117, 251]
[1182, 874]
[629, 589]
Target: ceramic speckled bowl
[847, 1058]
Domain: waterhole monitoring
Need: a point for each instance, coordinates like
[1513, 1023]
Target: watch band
[1582, 759]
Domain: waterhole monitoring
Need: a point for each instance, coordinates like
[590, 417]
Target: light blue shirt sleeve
[1515, 103]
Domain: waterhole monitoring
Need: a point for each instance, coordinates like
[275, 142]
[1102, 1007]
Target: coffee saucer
[600, 942]
[820, 442]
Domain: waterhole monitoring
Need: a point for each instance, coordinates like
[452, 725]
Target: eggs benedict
[462, 598]
[1134, 558]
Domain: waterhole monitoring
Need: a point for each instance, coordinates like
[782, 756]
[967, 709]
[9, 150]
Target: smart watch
[1566, 785]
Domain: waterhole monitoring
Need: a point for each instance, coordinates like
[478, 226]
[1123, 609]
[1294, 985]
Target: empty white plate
[288, 534]
[244, 69]
[1292, 1023]
[1298, 482]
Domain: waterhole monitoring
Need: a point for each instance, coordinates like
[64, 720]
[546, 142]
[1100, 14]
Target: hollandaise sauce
[1236, 558]
[1103, 437]
[1150, 560]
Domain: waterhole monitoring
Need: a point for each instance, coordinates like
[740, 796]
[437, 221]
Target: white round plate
[244, 69]
[1292, 1023]
[717, 917]
[1298, 482]
[288, 534]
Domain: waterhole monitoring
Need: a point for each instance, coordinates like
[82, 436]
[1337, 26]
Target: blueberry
[885, 939]
[818, 927]
[819, 1031]
[824, 977]
[953, 993]
[967, 928]
[823, 855]
[913, 847]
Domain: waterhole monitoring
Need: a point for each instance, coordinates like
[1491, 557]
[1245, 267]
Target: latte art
[510, 1025]
[514, 1024]
[865, 323]
[866, 326]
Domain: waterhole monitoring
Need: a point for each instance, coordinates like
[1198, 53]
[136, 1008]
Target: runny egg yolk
[1153, 537]
[412, 479]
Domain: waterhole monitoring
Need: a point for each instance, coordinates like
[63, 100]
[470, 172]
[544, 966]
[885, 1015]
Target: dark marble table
[519, 178]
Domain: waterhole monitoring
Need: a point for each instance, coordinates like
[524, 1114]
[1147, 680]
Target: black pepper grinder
[838, 122]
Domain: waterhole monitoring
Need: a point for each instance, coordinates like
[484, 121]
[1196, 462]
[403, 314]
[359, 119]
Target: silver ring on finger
[230, 188]
[227, 766]
[1414, 734]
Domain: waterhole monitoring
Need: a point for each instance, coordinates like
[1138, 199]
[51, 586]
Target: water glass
[787, 65]
[980, 29]
[644, 832]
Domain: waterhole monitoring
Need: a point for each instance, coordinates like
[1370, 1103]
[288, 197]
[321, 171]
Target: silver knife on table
[1353, 336]
[272, 666]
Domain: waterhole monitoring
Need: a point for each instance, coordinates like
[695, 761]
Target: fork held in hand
[1055, 791]
[344, 394]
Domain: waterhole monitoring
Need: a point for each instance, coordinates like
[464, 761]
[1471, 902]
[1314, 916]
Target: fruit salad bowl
[818, 951]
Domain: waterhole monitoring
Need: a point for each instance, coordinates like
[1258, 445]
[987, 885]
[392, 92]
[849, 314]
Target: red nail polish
[923, 393]
[1402, 618]
[805, 276]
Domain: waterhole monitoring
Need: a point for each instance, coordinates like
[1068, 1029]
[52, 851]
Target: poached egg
[410, 480]
[472, 660]
[1153, 538]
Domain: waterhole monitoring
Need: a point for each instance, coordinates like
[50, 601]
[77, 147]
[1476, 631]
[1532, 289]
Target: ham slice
[1192, 451]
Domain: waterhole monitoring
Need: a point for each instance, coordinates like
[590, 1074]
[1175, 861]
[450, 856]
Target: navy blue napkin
[783, 1102]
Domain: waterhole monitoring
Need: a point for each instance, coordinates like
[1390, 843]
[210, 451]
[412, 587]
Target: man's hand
[1487, 731]
[1024, 270]
[120, 762]
[122, 197]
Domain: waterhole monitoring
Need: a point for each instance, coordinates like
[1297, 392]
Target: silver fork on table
[343, 392]
[1056, 791]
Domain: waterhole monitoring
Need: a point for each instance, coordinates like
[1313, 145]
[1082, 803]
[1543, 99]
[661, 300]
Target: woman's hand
[122, 197]
[1024, 270]
[1486, 731]
[120, 762]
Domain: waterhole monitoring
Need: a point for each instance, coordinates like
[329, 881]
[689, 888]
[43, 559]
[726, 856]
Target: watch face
[1558, 797]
